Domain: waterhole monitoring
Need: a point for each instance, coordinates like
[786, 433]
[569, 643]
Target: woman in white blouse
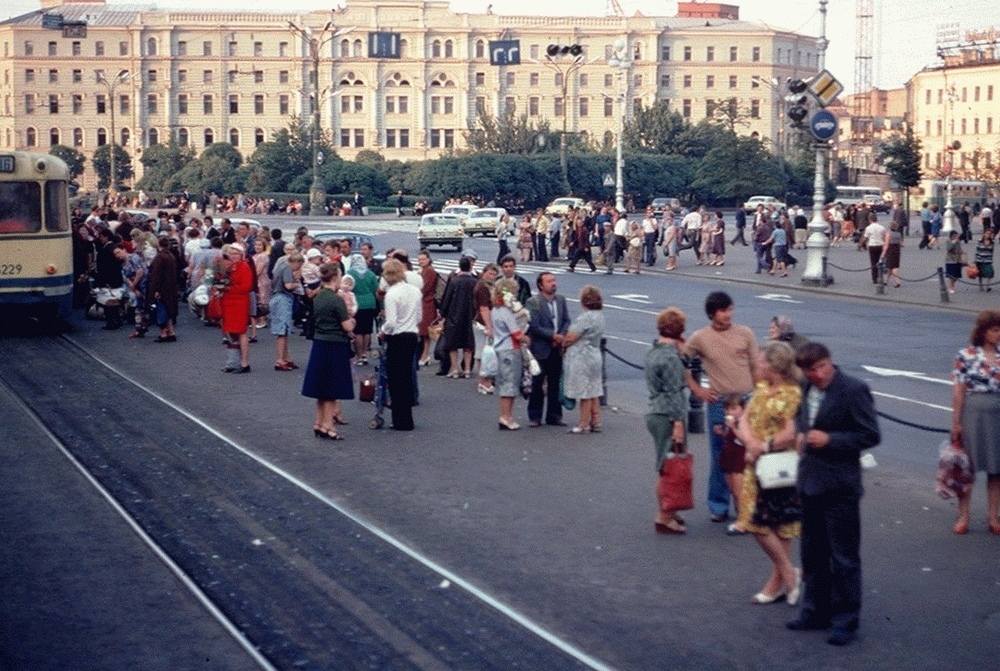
[402, 321]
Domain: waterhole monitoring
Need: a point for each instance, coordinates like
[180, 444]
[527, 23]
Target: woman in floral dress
[583, 360]
[772, 516]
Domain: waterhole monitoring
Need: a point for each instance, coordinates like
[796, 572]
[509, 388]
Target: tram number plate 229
[10, 269]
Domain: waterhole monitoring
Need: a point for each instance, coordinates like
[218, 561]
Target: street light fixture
[554, 53]
[623, 63]
[317, 190]
[818, 242]
[111, 85]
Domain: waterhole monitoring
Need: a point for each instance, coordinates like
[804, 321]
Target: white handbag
[777, 469]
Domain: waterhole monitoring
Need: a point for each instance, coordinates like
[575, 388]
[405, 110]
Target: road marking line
[910, 400]
[891, 372]
[637, 342]
[214, 610]
[621, 307]
[478, 593]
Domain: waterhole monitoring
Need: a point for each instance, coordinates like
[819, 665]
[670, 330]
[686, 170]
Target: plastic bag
[954, 472]
[490, 365]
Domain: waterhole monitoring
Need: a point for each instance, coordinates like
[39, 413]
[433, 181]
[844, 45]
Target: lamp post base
[317, 199]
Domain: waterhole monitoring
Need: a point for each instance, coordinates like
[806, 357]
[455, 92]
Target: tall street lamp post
[315, 43]
[622, 62]
[818, 242]
[111, 85]
[554, 54]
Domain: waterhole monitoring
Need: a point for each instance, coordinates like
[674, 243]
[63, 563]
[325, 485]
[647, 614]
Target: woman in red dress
[236, 309]
[429, 313]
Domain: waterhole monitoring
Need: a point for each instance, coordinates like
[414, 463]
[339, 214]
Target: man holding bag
[549, 323]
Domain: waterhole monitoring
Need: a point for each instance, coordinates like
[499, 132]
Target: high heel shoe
[508, 425]
[340, 420]
[327, 434]
[424, 362]
[762, 598]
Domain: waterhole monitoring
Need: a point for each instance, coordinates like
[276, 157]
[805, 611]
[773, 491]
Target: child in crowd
[732, 461]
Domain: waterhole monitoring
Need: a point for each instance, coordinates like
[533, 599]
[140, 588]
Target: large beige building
[199, 77]
[958, 99]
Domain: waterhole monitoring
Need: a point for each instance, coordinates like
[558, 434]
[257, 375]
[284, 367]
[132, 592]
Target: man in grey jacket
[549, 323]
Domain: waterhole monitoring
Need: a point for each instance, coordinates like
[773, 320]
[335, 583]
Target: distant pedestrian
[578, 239]
[975, 424]
[717, 246]
[835, 422]
[162, 287]
[954, 260]
[649, 230]
[741, 225]
[984, 260]
[936, 224]
[925, 225]
[875, 237]
[236, 310]
[671, 240]
[892, 252]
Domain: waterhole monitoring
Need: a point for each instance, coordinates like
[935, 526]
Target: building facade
[959, 99]
[197, 77]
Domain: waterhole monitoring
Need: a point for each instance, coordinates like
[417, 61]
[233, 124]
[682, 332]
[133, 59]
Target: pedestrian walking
[555, 235]
[892, 252]
[549, 324]
[975, 416]
[482, 326]
[773, 516]
[671, 241]
[542, 225]
[664, 371]
[984, 260]
[399, 330]
[579, 245]
[875, 237]
[633, 245]
[609, 248]
[583, 360]
[328, 374]
[954, 260]
[717, 246]
[741, 225]
[761, 235]
[729, 354]
[835, 422]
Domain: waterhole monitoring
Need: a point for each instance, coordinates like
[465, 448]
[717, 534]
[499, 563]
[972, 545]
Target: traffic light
[797, 102]
[558, 50]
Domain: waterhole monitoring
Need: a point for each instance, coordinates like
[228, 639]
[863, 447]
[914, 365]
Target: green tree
[224, 152]
[161, 162]
[74, 159]
[508, 134]
[736, 168]
[102, 165]
[276, 164]
[657, 129]
[901, 158]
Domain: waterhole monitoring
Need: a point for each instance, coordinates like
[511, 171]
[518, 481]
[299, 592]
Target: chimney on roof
[707, 10]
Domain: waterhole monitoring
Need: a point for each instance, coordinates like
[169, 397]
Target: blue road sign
[823, 125]
[505, 52]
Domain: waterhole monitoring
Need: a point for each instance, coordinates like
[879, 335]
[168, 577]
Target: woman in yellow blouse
[772, 516]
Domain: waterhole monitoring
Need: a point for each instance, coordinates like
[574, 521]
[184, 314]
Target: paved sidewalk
[916, 266]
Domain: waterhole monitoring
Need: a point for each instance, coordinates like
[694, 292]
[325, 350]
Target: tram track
[300, 582]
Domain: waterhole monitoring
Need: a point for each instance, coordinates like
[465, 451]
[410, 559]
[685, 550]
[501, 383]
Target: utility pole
[111, 85]
[818, 242]
[622, 62]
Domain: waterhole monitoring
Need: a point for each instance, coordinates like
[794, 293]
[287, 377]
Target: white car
[751, 205]
[440, 229]
[484, 220]
[461, 211]
[563, 205]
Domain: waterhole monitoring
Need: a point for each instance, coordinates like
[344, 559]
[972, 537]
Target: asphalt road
[553, 529]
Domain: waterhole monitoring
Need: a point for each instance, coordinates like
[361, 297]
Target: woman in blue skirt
[328, 376]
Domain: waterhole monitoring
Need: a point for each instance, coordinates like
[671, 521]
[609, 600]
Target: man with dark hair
[549, 323]
[508, 266]
[836, 420]
[729, 354]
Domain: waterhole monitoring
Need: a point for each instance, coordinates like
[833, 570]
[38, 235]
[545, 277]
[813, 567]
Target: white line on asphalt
[621, 307]
[910, 400]
[637, 342]
[478, 593]
[226, 623]
[891, 372]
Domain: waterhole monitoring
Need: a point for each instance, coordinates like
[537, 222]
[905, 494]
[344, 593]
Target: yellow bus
[36, 246]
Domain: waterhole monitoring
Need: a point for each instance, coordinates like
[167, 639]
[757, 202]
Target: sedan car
[356, 238]
[876, 203]
[461, 211]
[660, 206]
[484, 220]
[767, 201]
[441, 230]
[564, 205]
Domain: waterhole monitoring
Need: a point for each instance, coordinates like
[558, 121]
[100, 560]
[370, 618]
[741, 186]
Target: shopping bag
[954, 472]
[674, 488]
[490, 365]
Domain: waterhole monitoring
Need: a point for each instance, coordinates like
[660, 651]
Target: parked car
[138, 216]
[563, 205]
[484, 221]
[356, 238]
[876, 203]
[441, 230]
[751, 205]
[660, 206]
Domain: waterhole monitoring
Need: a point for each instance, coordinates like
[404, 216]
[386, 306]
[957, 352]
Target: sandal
[508, 425]
[595, 428]
[340, 420]
[328, 434]
[579, 429]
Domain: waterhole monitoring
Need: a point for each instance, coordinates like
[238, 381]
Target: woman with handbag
[665, 421]
[772, 515]
[328, 376]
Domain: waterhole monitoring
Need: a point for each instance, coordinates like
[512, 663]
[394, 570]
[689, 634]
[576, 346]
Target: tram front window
[20, 207]
[56, 212]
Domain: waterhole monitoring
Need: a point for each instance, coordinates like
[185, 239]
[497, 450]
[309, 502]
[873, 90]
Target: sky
[905, 31]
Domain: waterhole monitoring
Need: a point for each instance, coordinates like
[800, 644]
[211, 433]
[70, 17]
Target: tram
[36, 246]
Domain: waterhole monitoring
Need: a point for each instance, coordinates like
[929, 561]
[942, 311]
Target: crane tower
[861, 109]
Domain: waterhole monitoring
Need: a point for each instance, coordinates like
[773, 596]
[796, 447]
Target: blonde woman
[768, 425]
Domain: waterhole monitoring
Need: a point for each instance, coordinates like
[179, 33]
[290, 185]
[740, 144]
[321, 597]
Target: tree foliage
[276, 164]
[508, 134]
[102, 165]
[161, 162]
[655, 130]
[74, 159]
[901, 158]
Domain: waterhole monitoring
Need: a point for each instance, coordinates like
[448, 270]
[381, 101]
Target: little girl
[732, 461]
[346, 292]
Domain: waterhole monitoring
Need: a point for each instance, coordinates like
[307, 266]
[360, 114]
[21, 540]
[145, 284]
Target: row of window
[583, 80]
[181, 135]
[965, 128]
[954, 96]
[437, 49]
[974, 160]
[153, 103]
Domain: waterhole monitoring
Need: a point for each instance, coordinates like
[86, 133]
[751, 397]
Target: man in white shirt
[621, 233]
[649, 226]
[692, 230]
[403, 310]
[986, 217]
[875, 236]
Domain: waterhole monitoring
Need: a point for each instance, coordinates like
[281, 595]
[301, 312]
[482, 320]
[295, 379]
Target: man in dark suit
[836, 420]
[549, 323]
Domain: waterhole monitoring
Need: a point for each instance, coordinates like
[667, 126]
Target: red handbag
[213, 311]
[674, 488]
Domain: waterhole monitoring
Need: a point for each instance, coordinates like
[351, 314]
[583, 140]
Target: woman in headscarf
[236, 310]
[457, 308]
[781, 329]
[162, 286]
[429, 314]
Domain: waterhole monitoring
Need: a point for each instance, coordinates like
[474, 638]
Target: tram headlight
[51, 270]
